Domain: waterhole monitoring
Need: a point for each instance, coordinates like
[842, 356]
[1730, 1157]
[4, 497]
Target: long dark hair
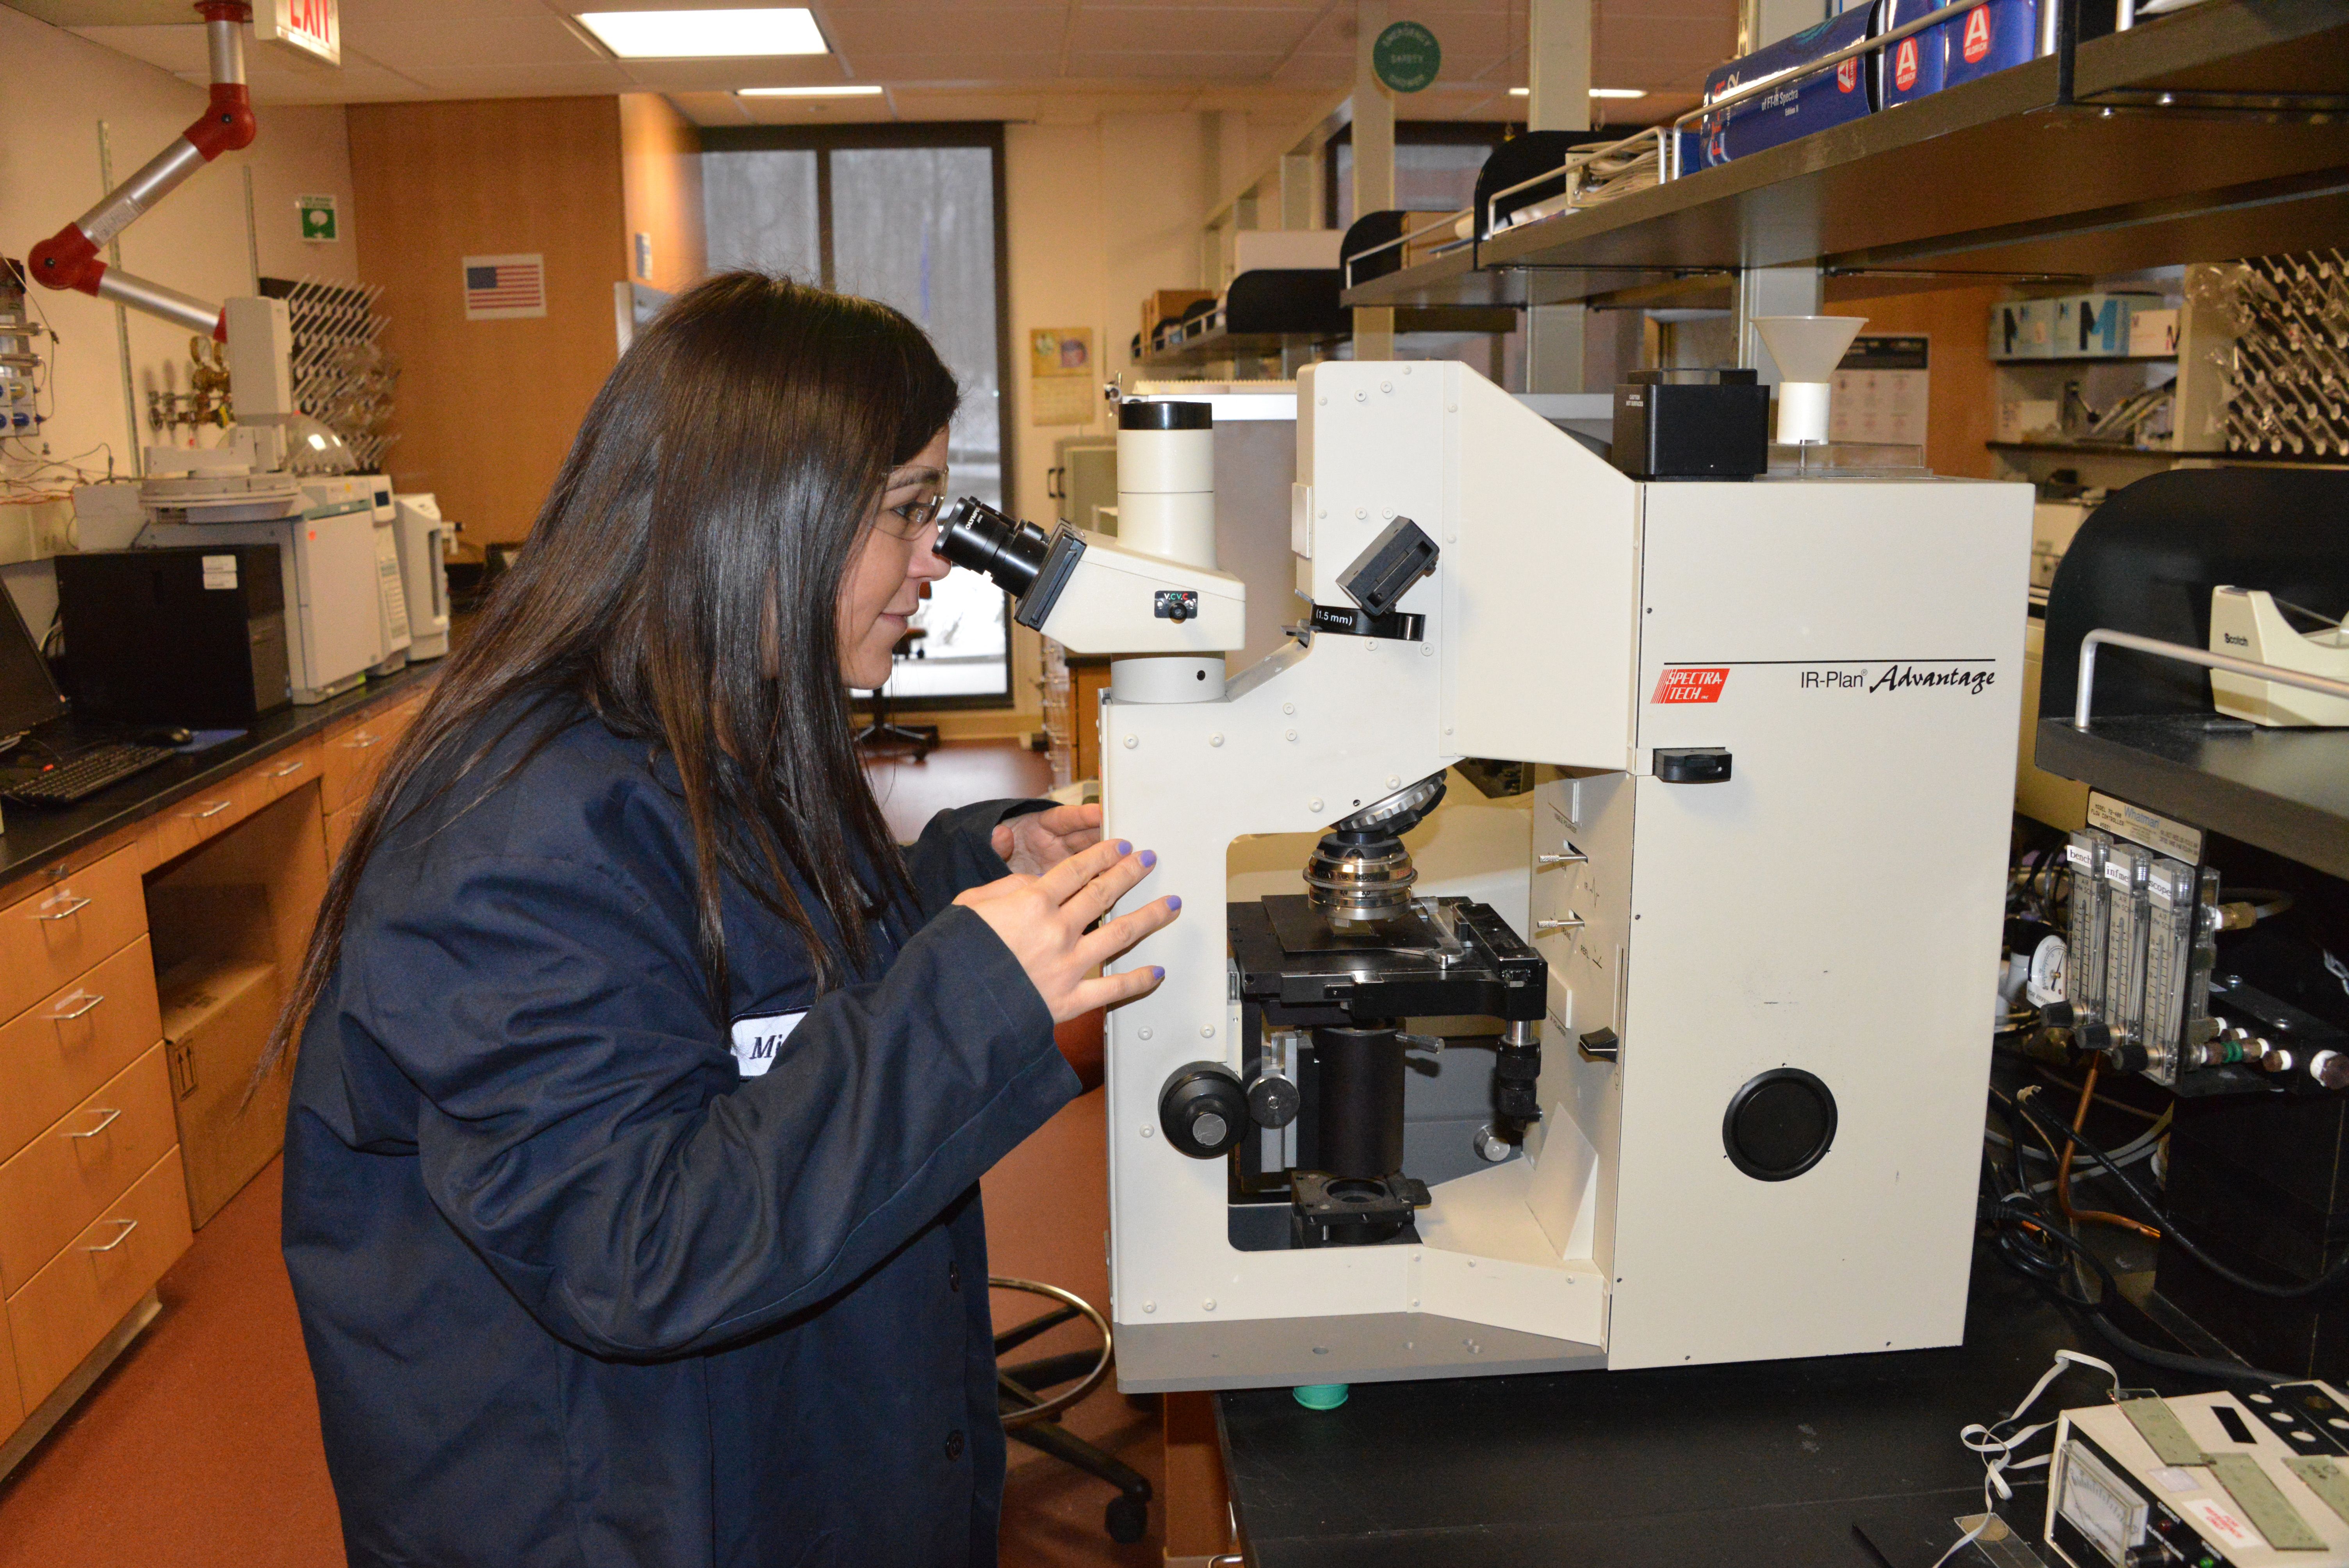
[683, 579]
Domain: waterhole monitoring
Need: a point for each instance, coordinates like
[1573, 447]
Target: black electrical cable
[2021, 1231]
[2170, 1231]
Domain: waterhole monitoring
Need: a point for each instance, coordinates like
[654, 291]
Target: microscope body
[1774, 725]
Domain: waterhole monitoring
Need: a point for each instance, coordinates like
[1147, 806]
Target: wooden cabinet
[104, 1129]
[75, 1301]
[65, 922]
[55, 1054]
[352, 755]
[64, 1179]
[1090, 678]
[12, 1403]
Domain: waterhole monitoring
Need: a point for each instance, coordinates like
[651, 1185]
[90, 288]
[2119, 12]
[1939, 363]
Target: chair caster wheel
[1126, 1519]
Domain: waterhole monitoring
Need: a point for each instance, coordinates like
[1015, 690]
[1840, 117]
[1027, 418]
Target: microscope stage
[1440, 957]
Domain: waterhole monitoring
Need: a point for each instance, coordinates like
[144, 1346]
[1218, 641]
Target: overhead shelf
[2286, 790]
[1266, 311]
[2212, 132]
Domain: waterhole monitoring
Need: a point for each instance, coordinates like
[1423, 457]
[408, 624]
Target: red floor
[200, 1449]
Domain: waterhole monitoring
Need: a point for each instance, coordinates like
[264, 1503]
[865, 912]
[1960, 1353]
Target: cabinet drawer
[49, 937]
[283, 774]
[67, 1176]
[352, 757]
[67, 1308]
[58, 1053]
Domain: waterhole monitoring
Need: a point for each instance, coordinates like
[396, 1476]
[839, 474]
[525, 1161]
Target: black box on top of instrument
[192, 636]
[1691, 425]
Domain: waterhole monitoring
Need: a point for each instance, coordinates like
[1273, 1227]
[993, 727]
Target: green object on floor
[1323, 1396]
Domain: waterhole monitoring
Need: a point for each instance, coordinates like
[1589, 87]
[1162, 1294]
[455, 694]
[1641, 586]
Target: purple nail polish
[1174, 900]
[1157, 972]
[1149, 859]
[1124, 848]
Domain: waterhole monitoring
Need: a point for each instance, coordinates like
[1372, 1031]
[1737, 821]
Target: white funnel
[1807, 349]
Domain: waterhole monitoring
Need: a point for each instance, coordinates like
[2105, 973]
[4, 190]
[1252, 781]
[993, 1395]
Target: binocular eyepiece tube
[973, 534]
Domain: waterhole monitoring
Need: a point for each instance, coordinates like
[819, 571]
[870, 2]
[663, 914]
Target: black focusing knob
[1204, 1110]
[1273, 1102]
[2057, 1016]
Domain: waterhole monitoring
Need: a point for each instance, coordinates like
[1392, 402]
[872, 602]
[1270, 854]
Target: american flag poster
[504, 288]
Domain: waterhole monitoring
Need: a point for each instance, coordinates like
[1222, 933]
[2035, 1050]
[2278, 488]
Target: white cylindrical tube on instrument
[1802, 411]
[1166, 482]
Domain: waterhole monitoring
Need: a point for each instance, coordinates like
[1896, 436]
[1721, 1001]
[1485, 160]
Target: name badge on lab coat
[756, 1040]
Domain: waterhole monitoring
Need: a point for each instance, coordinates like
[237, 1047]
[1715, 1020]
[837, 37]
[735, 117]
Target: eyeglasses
[909, 520]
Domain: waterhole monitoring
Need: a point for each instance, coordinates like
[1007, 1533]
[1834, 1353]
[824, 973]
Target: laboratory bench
[146, 937]
[1848, 1460]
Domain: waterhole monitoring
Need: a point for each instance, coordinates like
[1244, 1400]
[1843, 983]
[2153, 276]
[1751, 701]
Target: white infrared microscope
[1717, 1100]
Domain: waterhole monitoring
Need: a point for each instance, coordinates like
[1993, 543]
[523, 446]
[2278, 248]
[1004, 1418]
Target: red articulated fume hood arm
[71, 259]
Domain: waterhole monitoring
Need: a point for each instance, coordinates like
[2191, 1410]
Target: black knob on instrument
[1204, 1110]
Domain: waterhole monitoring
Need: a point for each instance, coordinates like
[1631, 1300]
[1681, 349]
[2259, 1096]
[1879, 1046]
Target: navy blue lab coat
[576, 1290]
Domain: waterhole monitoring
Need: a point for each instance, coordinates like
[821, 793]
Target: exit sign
[311, 28]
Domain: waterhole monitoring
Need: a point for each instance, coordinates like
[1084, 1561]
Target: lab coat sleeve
[585, 1129]
[956, 851]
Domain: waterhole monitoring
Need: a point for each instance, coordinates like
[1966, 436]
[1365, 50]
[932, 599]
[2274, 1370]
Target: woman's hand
[1035, 842]
[1042, 918]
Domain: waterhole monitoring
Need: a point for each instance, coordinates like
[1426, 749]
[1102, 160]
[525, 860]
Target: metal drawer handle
[104, 1121]
[72, 906]
[362, 743]
[288, 771]
[216, 808]
[66, 1017]
[127, 1226]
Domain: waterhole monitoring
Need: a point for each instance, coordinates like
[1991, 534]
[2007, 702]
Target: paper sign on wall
[1881, 391]
[1061, 375]
[317, 217]
[504, 288]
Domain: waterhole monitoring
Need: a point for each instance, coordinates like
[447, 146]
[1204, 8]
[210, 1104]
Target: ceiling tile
[1220, 29]
[423, 47]
[1153, 64]
[994, 30]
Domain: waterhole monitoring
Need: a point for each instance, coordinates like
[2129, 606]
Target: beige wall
[660, 180]
[57, 88]
[1097, 214]
[487, 408]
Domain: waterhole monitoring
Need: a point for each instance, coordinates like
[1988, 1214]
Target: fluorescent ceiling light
[1595, 92]
[844, 90]
[707, 34]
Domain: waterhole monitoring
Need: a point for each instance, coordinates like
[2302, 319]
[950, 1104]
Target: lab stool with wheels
[885, 736]
[1031, 1413]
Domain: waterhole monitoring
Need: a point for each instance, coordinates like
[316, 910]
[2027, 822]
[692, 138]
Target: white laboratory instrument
[347, 610]
[1774, 729]
[423, 568]
[2248, 624]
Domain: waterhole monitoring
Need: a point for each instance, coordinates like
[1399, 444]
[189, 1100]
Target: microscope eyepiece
[975, 535]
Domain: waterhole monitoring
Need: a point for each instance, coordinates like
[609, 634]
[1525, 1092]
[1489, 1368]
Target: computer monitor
[28, 695]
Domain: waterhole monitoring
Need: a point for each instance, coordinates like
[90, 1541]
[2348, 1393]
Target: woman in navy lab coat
[631, 1194]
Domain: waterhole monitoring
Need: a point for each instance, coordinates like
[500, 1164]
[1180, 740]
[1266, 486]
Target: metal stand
[1031, 1415]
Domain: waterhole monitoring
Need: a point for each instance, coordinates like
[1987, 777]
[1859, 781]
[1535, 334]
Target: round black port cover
[1779, 1124]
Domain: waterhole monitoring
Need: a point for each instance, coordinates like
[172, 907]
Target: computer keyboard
[85, 774]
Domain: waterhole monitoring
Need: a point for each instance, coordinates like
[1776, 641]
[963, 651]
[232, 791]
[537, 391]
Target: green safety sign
[1406, 56]
[317, 217]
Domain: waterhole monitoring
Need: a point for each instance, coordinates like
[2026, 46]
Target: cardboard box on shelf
[2096, 325]
[2153, 332]
[2029, 420]
[2021, 329]
[216, 1019]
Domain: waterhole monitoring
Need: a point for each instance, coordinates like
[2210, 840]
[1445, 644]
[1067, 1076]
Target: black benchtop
[36, 836]
[1760, 1465]
[2285, 790]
